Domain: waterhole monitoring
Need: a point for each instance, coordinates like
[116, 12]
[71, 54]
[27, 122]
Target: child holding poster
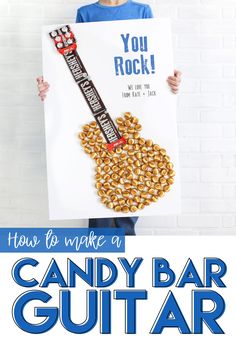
[107, 10]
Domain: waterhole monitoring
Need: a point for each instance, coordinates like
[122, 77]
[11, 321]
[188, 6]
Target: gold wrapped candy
[131, 177]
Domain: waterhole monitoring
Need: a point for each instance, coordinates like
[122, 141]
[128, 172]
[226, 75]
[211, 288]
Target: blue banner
[62, 240]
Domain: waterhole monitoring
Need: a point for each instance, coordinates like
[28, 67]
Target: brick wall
[205, 51]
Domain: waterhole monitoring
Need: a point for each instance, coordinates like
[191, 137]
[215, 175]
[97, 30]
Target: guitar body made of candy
[131, 172]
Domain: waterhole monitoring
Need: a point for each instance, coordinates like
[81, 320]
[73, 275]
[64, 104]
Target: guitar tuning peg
[53, 34]
[58, 39]
[60, 45]
[69, 35]
[70, 41]
[65, 29]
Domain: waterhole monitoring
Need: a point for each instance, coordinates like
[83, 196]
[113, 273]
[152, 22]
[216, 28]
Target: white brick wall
[205, 51]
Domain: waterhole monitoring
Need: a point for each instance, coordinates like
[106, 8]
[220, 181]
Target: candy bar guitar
[131, 172]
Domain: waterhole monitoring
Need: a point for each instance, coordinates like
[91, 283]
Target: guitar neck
[66, 45]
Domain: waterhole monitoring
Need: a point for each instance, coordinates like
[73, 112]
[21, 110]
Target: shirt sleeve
[79, 17]
[148, 12]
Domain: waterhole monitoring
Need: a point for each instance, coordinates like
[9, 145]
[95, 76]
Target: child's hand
[43, 88]
[174, 81]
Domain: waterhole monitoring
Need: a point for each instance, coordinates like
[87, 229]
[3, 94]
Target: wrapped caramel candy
[131, 177]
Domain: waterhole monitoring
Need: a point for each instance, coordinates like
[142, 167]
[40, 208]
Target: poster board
[108, 50]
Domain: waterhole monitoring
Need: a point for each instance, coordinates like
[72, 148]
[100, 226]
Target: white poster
[128, 62]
